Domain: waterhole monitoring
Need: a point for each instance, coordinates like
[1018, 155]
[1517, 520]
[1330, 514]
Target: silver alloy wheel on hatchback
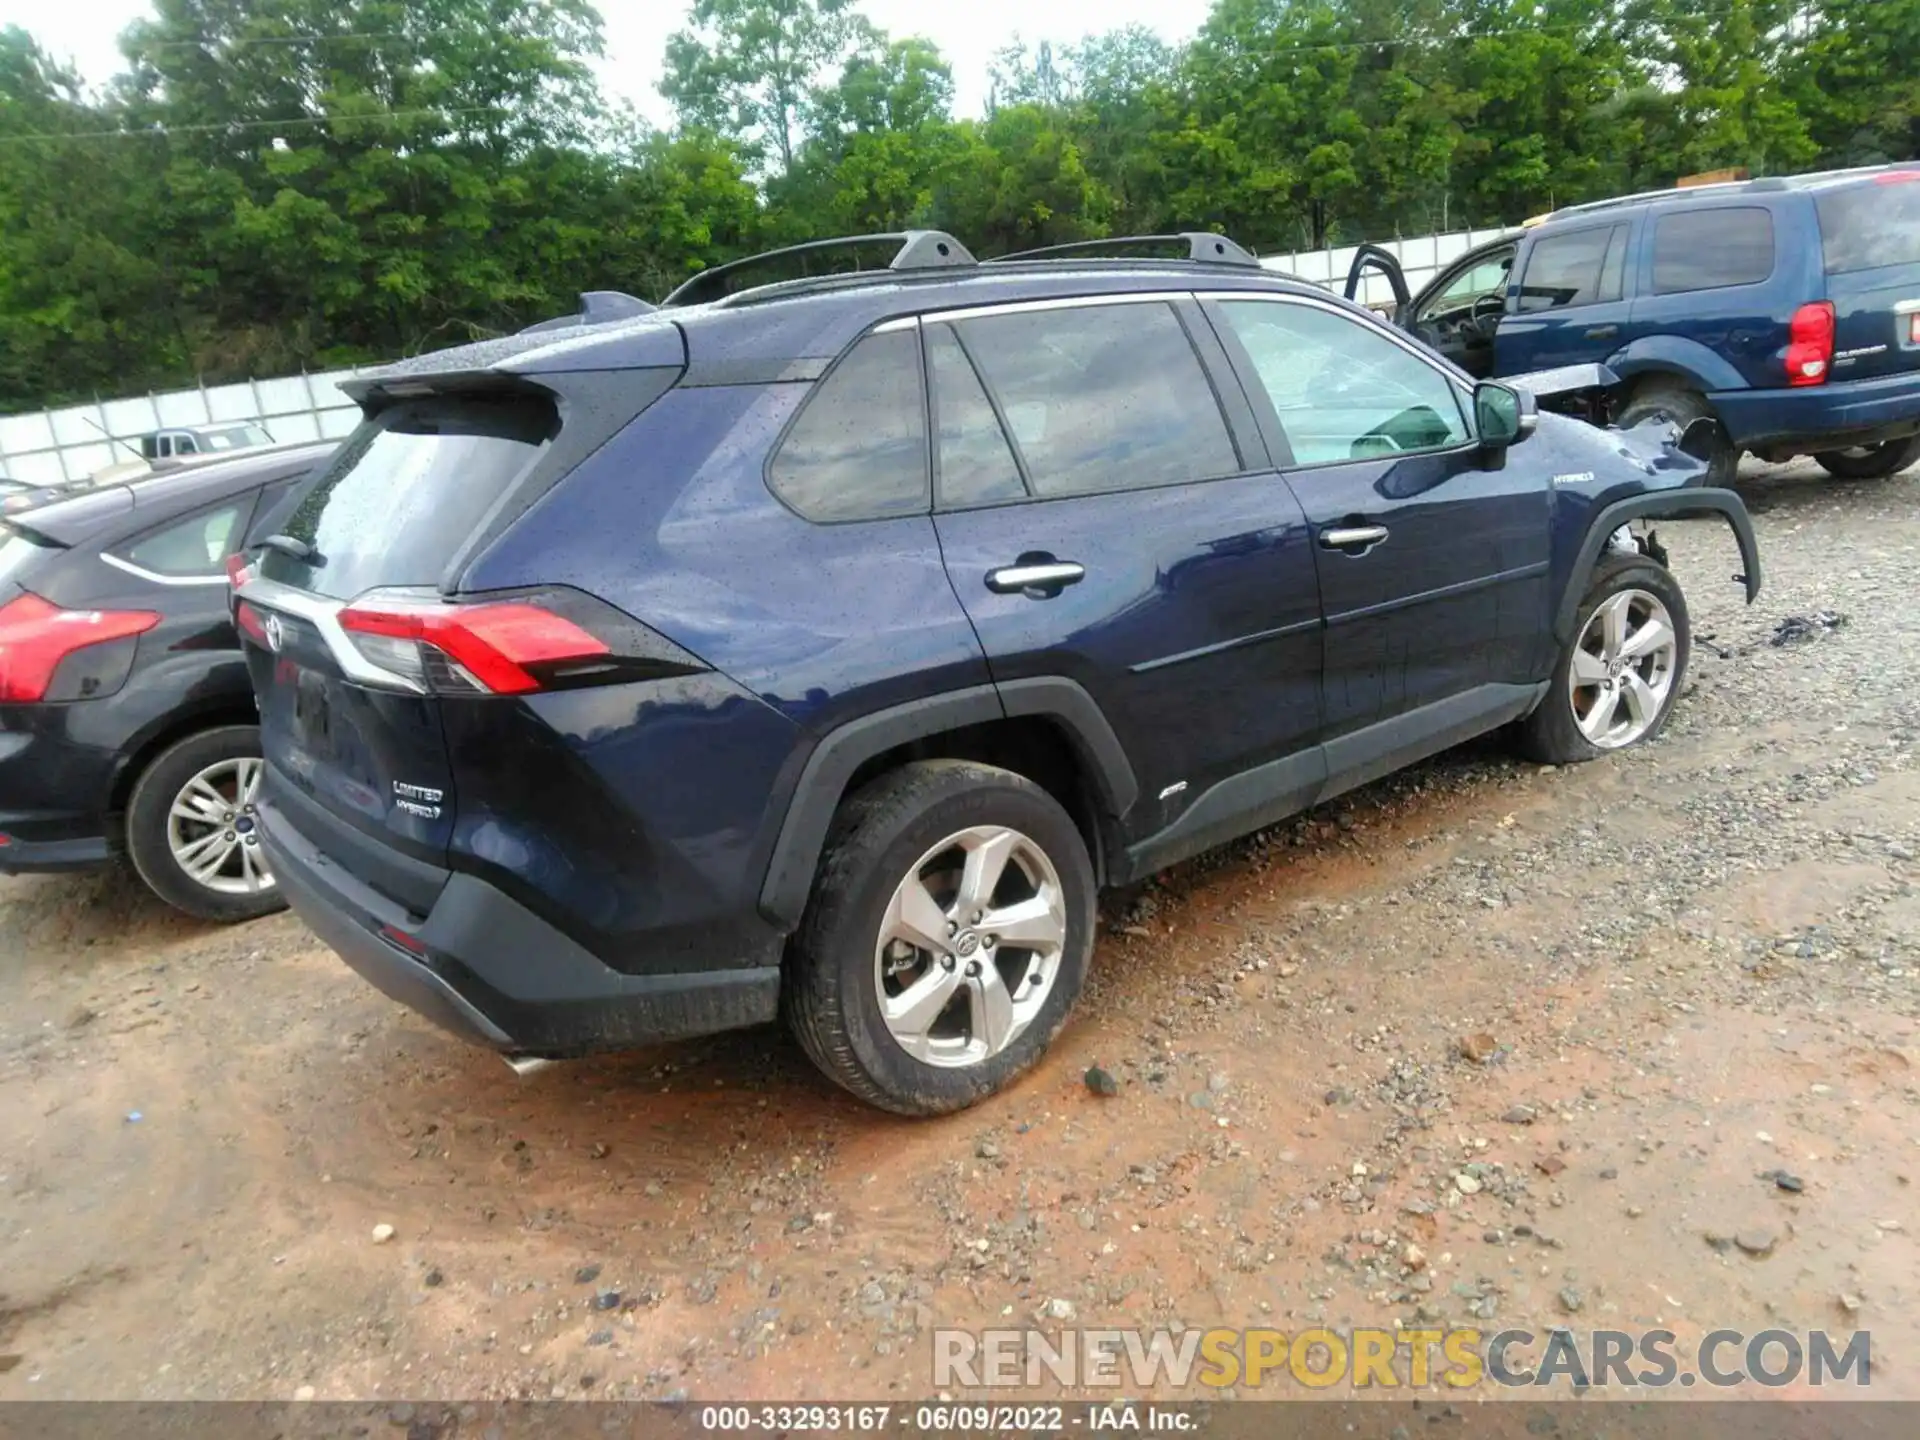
[1622, 675]
[970, 946]
[213, 830]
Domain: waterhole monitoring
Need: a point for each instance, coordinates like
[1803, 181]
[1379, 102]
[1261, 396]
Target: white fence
[56, 445]
[71, 443]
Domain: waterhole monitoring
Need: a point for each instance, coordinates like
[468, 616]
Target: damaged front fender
[1725, 503]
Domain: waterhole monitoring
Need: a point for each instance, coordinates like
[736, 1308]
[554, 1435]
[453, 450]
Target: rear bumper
[49, 791]
[1821, 417]
[497, 975]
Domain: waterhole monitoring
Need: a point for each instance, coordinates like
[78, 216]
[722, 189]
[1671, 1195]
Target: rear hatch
[349, 700]
[1870, 239]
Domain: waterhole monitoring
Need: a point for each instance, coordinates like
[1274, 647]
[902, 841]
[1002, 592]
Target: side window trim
[236, 539]
[1268, 418]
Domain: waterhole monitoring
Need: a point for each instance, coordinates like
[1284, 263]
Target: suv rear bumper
[495, 974]
[1812, 418]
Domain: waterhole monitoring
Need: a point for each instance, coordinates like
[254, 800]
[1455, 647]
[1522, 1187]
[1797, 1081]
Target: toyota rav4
[822, 647]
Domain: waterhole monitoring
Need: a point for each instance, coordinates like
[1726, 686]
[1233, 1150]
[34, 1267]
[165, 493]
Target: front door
[1460, 311]
[1432, 566]
[1104, 523]
[1571, 305]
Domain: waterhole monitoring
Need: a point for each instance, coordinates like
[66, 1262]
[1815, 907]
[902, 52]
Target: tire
[1870, 462]
[1562, 728]
[907, 825]
[199, 772]
[1672, 400]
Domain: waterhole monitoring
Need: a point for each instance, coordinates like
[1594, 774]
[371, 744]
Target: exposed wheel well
[1029, 745]
[240, 712]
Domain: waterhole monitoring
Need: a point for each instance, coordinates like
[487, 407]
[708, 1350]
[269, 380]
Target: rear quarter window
[407, 490]
[1867, 227]
[1712, 249]
[858, 449]
[193, 548]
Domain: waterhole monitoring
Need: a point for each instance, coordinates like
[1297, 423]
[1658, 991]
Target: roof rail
[597, 307]
[918, 250]
[1201, 246]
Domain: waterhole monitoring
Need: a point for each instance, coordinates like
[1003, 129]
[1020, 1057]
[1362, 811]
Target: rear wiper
[293, 549]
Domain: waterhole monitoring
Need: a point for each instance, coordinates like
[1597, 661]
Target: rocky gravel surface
[1629, 1044]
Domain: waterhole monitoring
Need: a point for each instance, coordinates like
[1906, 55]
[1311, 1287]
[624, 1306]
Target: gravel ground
[1484, 1043]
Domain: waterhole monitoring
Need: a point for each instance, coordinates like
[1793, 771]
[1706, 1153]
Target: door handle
[1603, 332]
[1348, 537]
[1045, 577]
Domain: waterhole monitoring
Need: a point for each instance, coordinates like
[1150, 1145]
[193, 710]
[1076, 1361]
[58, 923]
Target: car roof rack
[1202, 246]
[917, 250]
[597, 307]
[1759, 185]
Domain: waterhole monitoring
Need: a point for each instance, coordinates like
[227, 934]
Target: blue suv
[822, 647]
[1786, 309]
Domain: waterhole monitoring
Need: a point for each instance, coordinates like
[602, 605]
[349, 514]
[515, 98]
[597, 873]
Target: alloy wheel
[213, 829]
[1623, 669]
[970, 946]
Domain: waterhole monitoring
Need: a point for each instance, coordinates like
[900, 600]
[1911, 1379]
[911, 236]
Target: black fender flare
[1726, 503]
[844, 749]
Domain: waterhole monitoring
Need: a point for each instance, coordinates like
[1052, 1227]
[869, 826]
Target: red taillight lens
[250, 623]
[238, 571]
[36, 636]
[1810, 344]
[485, 647]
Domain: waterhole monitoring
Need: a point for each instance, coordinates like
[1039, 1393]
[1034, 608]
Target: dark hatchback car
[824, 646]
[127, 723]
[1788, 310]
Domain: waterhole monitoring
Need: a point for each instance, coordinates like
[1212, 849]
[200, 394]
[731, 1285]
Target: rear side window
[975, 463]
[1711, 249]
[1567, 270]
[1102, 398]
[407, 489]
[193, 548]
[858, 451]
[1865, 227]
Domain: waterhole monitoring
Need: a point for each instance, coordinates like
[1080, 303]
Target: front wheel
[1616, 683]
[1870, 462]
[946, 939]
[192, 831]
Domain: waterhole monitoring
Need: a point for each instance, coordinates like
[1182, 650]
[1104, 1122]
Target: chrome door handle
[1011, 579]
[1355, 535]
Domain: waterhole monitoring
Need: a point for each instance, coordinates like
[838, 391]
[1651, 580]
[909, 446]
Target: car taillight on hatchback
[1810, 344]
[36, 635]
[548, 640]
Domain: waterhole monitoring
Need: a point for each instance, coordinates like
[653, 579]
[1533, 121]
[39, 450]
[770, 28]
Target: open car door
[1459, 311]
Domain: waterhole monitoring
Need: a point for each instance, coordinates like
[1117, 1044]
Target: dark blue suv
[1786, 309]
[822, 647]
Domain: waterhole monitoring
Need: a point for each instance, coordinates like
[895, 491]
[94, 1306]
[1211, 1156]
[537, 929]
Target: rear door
[1569, 305]
[346, 721]
[1721, 275]
[1870, 242]
[1103, 521]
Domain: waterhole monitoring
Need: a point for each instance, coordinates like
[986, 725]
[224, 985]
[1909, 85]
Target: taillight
[250, 623]
[36, 636]
[1810, 344]
[238, 571]
[503, 647]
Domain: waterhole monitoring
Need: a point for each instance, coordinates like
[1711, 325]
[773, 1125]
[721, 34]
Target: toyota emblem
[276, 633]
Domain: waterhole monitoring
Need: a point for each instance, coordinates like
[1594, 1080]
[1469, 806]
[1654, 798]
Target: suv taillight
[1810, 344]
[35, 636]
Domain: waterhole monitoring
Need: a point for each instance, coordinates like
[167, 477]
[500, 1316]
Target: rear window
[405, 492]
[1865, 227]
[1712, 249]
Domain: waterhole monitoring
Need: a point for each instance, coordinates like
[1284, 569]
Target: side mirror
[1502, 415]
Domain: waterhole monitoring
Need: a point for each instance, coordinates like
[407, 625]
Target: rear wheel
[191, 827]
[1616, 684]
[946, 939]
[1681, 405]
[1870, 462]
